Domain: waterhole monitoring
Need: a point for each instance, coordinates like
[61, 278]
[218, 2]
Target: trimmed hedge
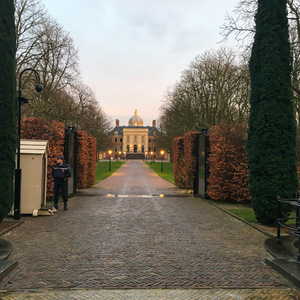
[91, 163]
[54, 132]
[178, 161]
[229, 174]
[190, 154]
[8, 103]
[82, 159]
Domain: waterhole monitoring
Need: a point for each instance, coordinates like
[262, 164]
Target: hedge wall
[82, 159]
[189, 170]
[54, 132]
[178, 161]
[229, 175]
[91, 163]
[8, 101]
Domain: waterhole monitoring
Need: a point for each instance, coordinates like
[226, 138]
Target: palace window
[143, 149]
[127, 148]
[121, 140]
[116, 140]
[116, 148]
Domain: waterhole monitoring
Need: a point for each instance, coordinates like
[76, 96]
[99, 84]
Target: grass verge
[167, 173]
[102, 169]
[245, 213]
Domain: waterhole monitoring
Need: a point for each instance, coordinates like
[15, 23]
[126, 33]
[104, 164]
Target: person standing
[61, 172]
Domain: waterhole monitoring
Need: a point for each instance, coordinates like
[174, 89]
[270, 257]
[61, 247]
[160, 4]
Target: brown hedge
[229, 175]
[189, 170]
[91, 163]
[178, 161]
[54, 132]
[82, 159]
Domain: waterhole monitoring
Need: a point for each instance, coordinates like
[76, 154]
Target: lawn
[245, 213]
[102, 169]
[167, 170]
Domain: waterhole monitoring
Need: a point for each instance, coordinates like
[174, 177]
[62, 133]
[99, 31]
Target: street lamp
[109, 162]
[119, 157]
[151, 157]
[18, 171]
[124, 155]
[146, 153]
[162, 152]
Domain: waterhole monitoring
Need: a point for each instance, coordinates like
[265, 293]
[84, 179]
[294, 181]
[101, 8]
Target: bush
[54, 132]
[82, 159]
[178, 161]
[228, 179]
[8, 111]
[190, 155]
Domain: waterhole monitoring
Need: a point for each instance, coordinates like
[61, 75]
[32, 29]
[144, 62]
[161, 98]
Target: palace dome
[136, 120]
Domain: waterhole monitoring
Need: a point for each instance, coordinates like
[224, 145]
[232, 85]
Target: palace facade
[134, 140]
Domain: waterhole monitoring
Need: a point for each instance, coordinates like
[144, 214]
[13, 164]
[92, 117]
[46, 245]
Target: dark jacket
[61, 172]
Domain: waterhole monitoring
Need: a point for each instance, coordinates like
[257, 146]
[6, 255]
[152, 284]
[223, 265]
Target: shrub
[8, 111]
[82, 159]
[228, 179]
[190, 154]
[178, 161]
[54, 132]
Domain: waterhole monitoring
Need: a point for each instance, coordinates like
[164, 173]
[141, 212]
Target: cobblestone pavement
[122, 240]
[154, 294]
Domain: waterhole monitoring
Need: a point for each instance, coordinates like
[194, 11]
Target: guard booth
[33, 162]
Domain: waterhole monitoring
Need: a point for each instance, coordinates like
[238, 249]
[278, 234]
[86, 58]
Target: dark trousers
[63, 186]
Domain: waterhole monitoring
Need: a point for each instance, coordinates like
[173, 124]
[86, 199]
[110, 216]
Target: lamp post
[151, 157]
[109, 162]
[119, 157]
[146, 155]
[162, 152]
[18, 171]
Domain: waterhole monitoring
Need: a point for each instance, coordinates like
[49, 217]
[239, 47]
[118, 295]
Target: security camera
[38, 87]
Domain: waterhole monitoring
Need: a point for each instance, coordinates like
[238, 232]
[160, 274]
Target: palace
[135, 140]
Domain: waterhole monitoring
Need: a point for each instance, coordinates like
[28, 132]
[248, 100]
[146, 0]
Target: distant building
[134, 140]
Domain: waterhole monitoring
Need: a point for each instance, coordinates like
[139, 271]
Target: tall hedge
[8, 111]
[190, 154]
[54, 132]
[178, 161]
[272, 128]
[228, 171]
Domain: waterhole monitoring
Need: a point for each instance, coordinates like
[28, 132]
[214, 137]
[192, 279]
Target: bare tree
[213, 90]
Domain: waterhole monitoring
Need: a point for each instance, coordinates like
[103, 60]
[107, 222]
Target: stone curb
[237, 217]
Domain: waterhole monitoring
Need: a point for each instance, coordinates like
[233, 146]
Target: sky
[132, 51]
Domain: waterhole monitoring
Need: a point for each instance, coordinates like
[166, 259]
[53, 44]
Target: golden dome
[136, 120]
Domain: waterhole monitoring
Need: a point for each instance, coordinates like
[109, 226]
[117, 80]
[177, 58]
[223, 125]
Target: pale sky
[131, 51]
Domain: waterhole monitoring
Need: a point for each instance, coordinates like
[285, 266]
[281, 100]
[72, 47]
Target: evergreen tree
[272, 127]
[8, 105]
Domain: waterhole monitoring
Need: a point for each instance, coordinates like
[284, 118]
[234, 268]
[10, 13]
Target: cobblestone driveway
[135, 239]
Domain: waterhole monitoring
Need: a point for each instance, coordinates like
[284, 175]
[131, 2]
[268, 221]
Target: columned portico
[135, 138]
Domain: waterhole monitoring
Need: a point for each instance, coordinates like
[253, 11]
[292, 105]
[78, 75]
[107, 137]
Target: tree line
[43, 44]
[215, 88]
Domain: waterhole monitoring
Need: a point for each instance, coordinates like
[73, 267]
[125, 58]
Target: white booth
[33, 162]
